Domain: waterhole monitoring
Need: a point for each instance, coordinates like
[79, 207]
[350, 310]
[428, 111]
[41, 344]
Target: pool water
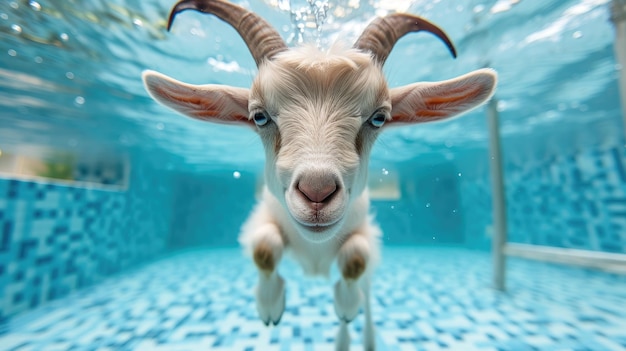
[119, 218]
[423, 299]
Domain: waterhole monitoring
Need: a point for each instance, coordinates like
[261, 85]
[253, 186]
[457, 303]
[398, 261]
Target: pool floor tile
[422, 299]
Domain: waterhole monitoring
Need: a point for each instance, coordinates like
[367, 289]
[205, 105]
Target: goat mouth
[318, 227]
[318, 231]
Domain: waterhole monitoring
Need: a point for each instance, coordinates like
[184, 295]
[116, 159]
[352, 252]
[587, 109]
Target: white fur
[320, 105]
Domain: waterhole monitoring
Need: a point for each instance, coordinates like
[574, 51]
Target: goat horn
[262, 39]
[382, 34]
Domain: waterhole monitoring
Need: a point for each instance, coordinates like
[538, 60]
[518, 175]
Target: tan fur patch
[277, 143]
[263, 257]
[354, 267]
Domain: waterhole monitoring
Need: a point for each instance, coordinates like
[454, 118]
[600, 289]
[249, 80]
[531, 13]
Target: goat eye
[260, 118]
[378, 119]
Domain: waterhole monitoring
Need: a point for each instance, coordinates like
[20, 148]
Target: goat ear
[425, 102]
[214, 103]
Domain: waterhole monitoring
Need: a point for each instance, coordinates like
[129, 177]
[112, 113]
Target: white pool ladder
[612, 262]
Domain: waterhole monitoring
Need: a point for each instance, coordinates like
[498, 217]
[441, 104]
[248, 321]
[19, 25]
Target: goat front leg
[352, 259]
[267, 250]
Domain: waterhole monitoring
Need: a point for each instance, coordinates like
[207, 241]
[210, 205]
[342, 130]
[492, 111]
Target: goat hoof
[270, 301]
[348, 300]
[346, 320]
[277, 320]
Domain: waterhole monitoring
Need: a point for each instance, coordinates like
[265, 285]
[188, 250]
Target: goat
[318, 114]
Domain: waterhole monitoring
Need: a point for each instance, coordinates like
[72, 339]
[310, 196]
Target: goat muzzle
[316, 198]
[318, 190]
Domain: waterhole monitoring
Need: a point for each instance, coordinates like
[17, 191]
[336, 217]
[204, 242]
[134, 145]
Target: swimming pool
[119, 218]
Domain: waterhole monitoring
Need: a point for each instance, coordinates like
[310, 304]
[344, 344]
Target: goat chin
[319, 233]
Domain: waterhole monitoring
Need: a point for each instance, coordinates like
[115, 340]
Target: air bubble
[14, 5]
[428, 204]
[196, 32]
[12, 52]
[385, 171]
[38, 59]
[4, 16]
[160, 126]
[137, 22]
[577, 34]
[479, 8]
[16, 28]
[64, 36]
[459, 174]
[79, 100]
[34, 5]
[501, 105]
[69, 75]
[236, 175]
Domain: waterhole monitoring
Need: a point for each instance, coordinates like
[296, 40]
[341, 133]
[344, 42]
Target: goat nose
[317, 189]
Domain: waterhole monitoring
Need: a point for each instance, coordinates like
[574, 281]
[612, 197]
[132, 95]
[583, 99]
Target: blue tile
[5, 235]
[26, 247]
[458, 280]
[18, 297]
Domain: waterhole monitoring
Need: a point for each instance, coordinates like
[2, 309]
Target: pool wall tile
[573, 201]
[55, 238]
